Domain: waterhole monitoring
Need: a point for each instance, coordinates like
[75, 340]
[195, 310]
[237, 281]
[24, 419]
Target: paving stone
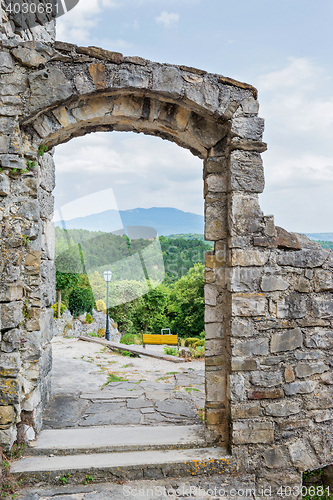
[63, 410]
[176, 408]
[104, 407]
[139, 403]
[123, 416]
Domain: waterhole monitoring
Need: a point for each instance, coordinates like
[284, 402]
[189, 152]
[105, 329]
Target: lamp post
[107, 277]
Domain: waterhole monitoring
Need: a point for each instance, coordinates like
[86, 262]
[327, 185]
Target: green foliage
[64, 478]
[171, 351]
[112, 377]
[197, 351]
[101, 332]
[55, 309]
[68, 267]
[326, 244]
[81, 300]
[42, 149]
[100, 305]
[31, 164]
[191, 341]
[128, 339]
[89, 319]
[89, 479]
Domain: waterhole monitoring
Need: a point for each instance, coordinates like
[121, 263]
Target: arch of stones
[268, 293]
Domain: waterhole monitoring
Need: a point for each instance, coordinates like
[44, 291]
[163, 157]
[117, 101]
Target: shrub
[81, 300]
[89, 319]
[101, 306]
[171, 351]
[191, 340]
[127, 339]
[55, 309]
[101, 332]
[197, 351]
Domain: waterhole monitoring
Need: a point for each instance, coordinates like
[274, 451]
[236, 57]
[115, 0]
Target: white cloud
[167, 18]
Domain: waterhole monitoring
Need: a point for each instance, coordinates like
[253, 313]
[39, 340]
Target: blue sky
[283, 48]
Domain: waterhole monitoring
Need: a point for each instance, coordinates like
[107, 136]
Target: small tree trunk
[59, 303]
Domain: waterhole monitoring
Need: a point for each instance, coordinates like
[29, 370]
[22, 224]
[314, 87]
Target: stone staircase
[118, 453]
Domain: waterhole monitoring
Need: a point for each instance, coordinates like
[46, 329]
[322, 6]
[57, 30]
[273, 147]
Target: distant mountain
[166, 220]
[320, 236]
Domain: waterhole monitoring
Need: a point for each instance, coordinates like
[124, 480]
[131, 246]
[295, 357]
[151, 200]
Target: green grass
[112, 377]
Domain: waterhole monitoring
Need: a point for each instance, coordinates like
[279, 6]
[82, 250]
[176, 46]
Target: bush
[81, 300]
[197, 351]
[101, 332]
[89, 319]
[55, 309]
[171, 351]
[191, 341]
[101, 306]
[127, 339]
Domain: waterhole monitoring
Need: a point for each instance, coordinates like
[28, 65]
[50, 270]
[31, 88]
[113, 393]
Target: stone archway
[268, 293]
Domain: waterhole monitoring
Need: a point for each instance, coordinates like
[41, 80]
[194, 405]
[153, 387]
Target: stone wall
[268, 293]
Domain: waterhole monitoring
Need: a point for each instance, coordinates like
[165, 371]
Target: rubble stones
[286, 341]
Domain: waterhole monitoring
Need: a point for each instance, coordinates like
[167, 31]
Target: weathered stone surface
[243, 364]
[292, 306]
[10, 340]
[286, 240]
[266, 379]
[97, 73]
[323, 307]
[323, 280]
[215, 183]
[253, 432]
[244, 217]
[258, 346]
[303, 285]
[11, 314]
[4, 185]
[271, 283]
[245, 410]
[241, 327]
[46, 204]
[250, 128]
[6, 415]
[10, 365]
[303, 258]
[9, 391]
[249, 257]
[12, 161]
[29, 57]
[274, 458]
[321, 400]
[283, 408]
[48, 86]
[168, 80]
[237, 387]
[243, 279]
[99, 53]
[327, 378]
[286, 341]
[246, 172]
[11, 292]
[307, 369]
[6, 63]
[322, 415]
[214, 331]
[289, 375]
[265, 394]
[302, 456]
[300, 387]
[246, 304]
[30, 210]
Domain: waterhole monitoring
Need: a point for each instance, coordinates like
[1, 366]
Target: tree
[81, 300]
[68, 267]
[150, 307]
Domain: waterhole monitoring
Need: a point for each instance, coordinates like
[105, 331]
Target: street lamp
[107, 275]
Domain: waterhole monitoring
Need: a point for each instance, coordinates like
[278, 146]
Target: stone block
[46, 325]
[7, 438]
[214, 347]
[48, 283]
[300, 387]
[253, 347]
[323, 307]
[46, 203]
[31, 402]
[321, 400]
[48, 239]
[12, 161]
[289, 375]
[286, 341]
[128, 106]
[213, 314]
[249, 257]
[266, 379]
[246, 304]
[7, 415]
[244, 213]
[103, 54]
[303, 258]
[213, 261]
[327, 378]
[237, 387]
[323, 280]
[132, 77]
[10, 292]
[4, 185]
[274, 457]
[97, 73]
[307, 369]
[272, 283]
[6, 63]
[11, 340]
[248, 128]
[215, 417]
[283, 408]
[216, 386]
[216, 183]
[248, 432]
[285, 240]
[302, 456]
[303, 285]
[215, 221]
[30, 210]
[292, 306]
[48, 86]
[211, 295]
[245, 410]
[213, 331]
[322, 415]
[243, 364]
[29, 57]
[216, 166]
[246, 172]
[9, 391]
[11, 314]
[168, 80]
[47, 172]
[265, 394]
[243, 279]
[33, 260]
[241, 327]
[10, 364]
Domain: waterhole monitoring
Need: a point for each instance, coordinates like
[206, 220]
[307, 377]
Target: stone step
[116, 438]
[119, 466]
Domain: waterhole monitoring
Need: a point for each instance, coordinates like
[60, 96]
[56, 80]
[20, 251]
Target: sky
[283, 48]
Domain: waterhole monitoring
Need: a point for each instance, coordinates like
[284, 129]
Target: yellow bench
[156, 339]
